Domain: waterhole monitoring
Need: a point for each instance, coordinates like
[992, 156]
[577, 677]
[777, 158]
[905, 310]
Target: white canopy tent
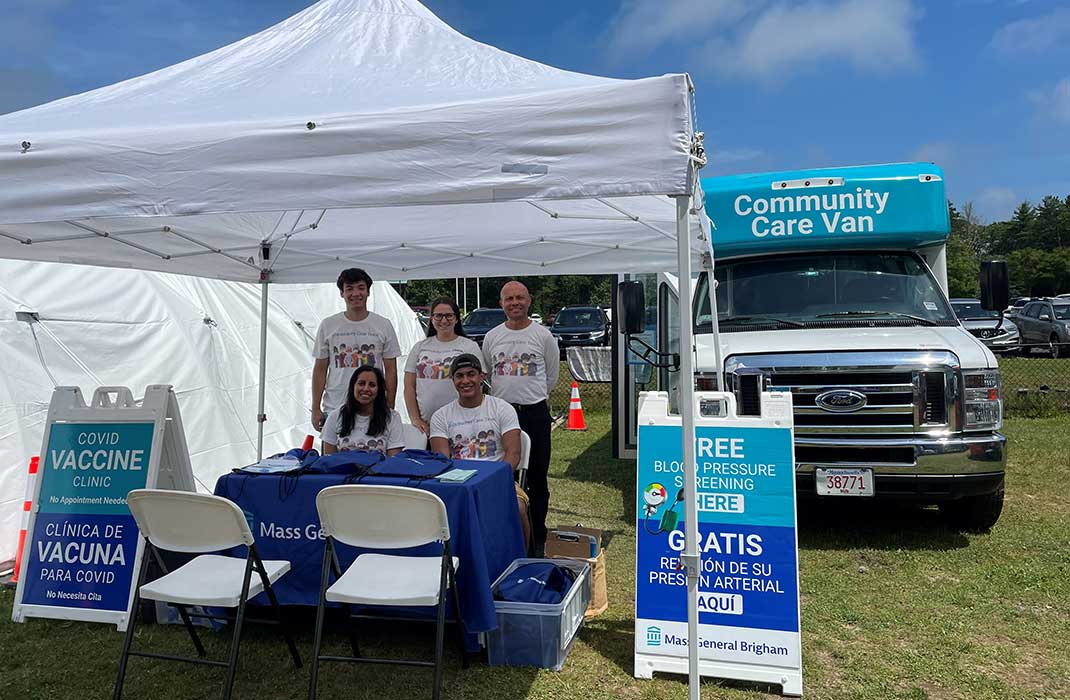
[368, 133]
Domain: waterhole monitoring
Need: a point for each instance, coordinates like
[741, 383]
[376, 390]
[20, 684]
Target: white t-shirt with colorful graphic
[475, 433]
[349, 344]
[358, 438]
[522, 365]
[430, 361]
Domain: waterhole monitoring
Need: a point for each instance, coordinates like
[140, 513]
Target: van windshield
[822, 291]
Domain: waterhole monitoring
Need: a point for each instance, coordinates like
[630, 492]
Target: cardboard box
[577, 542]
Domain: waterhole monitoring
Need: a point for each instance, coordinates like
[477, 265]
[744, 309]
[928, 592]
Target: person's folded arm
[511, 445]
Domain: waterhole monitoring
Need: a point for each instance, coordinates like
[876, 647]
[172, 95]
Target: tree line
[1035, 242]
[548, 293]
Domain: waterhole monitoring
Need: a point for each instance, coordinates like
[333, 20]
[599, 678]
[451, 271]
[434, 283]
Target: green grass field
[894, 605]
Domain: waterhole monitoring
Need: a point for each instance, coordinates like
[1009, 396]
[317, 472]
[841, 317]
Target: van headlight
[983, 400]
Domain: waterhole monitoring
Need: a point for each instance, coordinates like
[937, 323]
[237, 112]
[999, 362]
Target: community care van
[832, 284]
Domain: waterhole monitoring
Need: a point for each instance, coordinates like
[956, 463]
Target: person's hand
[423, 425]
[318, 419]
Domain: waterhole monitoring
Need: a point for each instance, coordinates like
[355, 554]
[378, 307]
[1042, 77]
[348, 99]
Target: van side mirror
[995, 285]
[631, 307]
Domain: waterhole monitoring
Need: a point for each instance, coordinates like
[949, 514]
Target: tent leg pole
[708, 265]
[477, 293]
[261, 418]
[686, 403]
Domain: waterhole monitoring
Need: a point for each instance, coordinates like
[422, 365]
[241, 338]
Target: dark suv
[1045, 324]
[581, 326]
[478, 323]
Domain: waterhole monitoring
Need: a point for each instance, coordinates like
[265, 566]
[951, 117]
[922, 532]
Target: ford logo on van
[841, 400]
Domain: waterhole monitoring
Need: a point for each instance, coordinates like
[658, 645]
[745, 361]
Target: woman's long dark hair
[457, 327]
[380, 411]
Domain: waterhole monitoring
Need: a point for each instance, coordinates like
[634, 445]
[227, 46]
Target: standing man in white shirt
[347, 340]
[524, 361]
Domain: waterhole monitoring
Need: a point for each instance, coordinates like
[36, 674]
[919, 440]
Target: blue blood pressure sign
[84, 541]
[748, 590]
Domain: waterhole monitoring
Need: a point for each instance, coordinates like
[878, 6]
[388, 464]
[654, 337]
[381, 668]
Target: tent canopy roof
[357, 132]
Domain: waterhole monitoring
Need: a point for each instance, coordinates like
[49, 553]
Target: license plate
[844, 482]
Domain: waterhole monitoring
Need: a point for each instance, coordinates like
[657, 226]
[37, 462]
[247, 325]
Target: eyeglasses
[443, 317]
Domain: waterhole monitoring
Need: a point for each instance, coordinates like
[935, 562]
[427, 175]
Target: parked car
[1017, 305]
[581, 326]
[535, 317]
[1000, 337]
[1045, 324]
[478, 323]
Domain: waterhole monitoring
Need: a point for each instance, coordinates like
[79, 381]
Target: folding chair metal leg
[320, 610]
[440, 627]
[457, 614]
[188, 623]
[235, 642]
[128, 640]
[286, 633]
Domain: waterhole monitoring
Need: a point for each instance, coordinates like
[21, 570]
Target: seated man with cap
[475, 426]
[479, 426]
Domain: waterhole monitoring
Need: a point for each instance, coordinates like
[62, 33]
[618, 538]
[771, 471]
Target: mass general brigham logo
[653, 636]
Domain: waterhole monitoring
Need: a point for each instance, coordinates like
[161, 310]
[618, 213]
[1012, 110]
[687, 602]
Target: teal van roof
[896, 206]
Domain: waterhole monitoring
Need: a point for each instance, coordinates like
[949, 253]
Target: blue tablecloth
[484, 529]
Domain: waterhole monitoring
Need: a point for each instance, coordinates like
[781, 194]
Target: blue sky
[981, 87]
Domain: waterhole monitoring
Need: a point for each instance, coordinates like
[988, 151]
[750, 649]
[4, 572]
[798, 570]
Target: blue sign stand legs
[748, 572]
[83, 549]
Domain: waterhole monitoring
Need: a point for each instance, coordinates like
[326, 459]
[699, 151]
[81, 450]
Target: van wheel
[974, 513]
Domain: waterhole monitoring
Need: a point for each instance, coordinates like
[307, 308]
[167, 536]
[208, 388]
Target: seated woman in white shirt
[365, 421]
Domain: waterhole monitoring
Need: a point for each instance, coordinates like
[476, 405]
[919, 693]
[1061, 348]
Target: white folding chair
[525, 455]
[385, 518]
[415, 439]
[192, 523]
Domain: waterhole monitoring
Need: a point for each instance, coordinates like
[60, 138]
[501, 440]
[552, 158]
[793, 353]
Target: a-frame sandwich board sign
[82, 547]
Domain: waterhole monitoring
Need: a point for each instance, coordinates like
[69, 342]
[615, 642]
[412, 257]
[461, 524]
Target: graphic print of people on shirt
[355, 356]
[522, 365]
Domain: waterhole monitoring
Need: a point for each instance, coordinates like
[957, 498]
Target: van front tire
[974, 513]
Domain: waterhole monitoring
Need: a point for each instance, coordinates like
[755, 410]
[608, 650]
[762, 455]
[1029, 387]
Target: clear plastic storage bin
[538, 634]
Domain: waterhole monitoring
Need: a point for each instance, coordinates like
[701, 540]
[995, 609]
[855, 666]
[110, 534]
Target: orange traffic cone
[575, 410]
[27, 504]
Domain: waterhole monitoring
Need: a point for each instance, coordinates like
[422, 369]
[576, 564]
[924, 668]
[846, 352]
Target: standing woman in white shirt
[428, 385]
[365, 421]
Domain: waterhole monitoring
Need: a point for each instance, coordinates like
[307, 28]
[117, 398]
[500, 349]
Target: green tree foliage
[962, 256]
[548, 293]
[1035, 242]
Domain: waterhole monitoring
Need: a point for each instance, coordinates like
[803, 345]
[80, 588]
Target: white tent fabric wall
[131, 328]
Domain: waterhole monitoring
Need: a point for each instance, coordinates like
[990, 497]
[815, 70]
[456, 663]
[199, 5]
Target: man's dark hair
[353, 275]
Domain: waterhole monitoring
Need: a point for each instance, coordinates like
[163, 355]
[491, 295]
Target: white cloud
[1035, 35]
[643, 25]
[769, 39]
[939, 152]
[996, 203]
[1054, 102]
